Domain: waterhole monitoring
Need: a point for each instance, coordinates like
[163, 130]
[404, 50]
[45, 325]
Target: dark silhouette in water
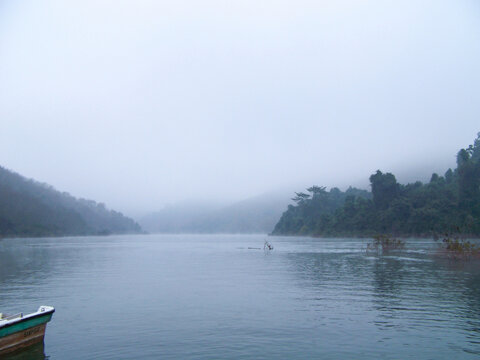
[33, 352]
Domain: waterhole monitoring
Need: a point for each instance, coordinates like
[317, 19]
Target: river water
[211, 297]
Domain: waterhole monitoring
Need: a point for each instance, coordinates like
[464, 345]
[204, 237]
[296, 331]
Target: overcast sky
[142, 103]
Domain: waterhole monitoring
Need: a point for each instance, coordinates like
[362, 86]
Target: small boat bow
[18, 331]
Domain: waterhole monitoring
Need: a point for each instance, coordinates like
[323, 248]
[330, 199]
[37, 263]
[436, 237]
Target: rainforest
[448, 203]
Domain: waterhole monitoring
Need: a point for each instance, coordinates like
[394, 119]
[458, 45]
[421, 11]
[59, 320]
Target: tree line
[30, 208]
[446, 204]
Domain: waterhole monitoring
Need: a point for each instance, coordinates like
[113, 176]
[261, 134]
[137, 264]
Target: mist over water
[209, 296]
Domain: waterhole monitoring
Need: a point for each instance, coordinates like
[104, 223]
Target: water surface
[210, 297]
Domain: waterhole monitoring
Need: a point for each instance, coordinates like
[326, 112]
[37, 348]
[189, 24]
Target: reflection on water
[203, 297]
[412, 297]
[33, 352]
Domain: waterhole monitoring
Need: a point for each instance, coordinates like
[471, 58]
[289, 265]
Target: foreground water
[211, 297]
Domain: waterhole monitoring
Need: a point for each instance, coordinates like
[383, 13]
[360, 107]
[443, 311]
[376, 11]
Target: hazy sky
[142, 103]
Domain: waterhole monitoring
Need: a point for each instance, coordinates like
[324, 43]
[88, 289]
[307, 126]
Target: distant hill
[30, 208]
[178, 218]
[255, 215]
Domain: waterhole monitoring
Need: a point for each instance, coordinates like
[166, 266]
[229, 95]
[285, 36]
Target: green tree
[384, 189]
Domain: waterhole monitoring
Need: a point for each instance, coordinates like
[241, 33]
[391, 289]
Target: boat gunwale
[28, 317]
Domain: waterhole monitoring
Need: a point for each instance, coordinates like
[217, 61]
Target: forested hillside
[30, 208]
[448, 203]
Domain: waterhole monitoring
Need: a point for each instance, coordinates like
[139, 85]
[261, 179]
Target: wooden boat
[17, 331]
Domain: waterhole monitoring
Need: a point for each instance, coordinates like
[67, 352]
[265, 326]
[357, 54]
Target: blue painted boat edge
[27, 317]
[29, 323]
[42, 316]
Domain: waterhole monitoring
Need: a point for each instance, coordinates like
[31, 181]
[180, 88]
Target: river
[213, 297]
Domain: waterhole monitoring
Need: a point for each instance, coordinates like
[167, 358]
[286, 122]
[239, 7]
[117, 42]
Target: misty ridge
[258, 214]
[30, 209]
[449, 203]
[444, 204]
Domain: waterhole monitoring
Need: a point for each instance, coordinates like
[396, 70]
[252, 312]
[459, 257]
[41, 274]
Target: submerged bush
[384, 243]
[460, 249]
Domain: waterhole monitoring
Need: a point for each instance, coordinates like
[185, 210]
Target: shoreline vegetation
[452, 247]
[448, 204]
[32, 209]
[458, 248]
[384, 244]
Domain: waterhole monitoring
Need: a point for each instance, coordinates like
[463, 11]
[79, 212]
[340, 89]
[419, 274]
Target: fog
[143, 103]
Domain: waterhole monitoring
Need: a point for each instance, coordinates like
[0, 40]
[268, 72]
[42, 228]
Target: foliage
[417, 209]
[457, 248]
[383, 243]
[315, 210]
[30, 208]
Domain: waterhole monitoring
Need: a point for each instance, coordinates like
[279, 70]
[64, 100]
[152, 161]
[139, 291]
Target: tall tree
[384, 189]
